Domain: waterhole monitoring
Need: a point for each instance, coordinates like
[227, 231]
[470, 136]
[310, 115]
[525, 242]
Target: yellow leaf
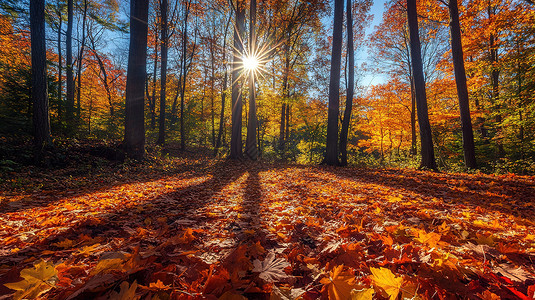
[366, 294]
[88, 250]
[483, 239]
[107, 264]
[431, 238]
[443, 228]
[385, 279]
[127, 292]
[64, 244]
[159, 285]
[39, 279]
[394, 199]
[339, 284]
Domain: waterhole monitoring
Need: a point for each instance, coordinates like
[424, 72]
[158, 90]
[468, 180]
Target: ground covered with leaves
[191, 227]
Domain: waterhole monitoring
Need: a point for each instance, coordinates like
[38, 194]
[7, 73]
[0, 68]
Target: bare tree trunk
[285, 96]
[79, 70]
[350, 86]
[237, 105]
[251, 148]
[223, 92]
[495, 81]
[184, 78]
[41, 119]
[282, 127]
[152, 99]
[413, 117]
[70, 80]
[104, 77]
[163, 73]
[287, 136]
[331, 154]
[60, 62]
[135, 80]
[426, 139]
[212, 90]
[462, 89]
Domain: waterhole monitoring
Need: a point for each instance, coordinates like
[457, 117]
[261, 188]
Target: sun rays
[250, 63]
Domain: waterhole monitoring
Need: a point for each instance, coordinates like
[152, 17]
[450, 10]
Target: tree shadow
[514, 197]
[56, 190]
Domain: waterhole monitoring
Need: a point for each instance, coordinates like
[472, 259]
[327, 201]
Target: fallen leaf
[339, 284]
[366, 294]
[37, 280]
[385, 279]
[271, 269]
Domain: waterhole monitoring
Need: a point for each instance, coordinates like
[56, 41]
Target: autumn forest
[266, 149]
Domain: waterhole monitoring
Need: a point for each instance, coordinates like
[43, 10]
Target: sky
[363, 55]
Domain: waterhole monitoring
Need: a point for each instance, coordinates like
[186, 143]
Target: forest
[267, 149]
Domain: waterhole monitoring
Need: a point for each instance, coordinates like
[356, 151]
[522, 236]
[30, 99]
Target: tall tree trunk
[495, 81]
[331, 154]
[135, 80]
[212, 90]
[285, 96]
[282, 127]
[350, 86]
[251, 148]
[104, 77]
[184, 78]
[237, 105]
[163, 73]
[79, 69]
[105, 83]
[223, 91]
[70, 79]
[41, 119]
[426, 139]
[413, 117]
[152, 99]
[287, 136]
[60, 62]
[462, 89]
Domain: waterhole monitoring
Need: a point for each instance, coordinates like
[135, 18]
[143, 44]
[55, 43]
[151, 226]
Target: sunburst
[252, 61]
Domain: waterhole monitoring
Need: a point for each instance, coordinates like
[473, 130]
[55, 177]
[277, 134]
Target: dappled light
[274, 227]
[281, 150]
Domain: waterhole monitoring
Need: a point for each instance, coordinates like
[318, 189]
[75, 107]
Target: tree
[163, 72]
[237, 105]
[154, 27]
[462, 89]
[69, 66]
[426, 139]
[223, 89]
[80, 60]
[391, 52]
[184, 75]
[350, 85]
[136, 75]
[251, 148]
[41, 121]
[331, 154]
[59, 9]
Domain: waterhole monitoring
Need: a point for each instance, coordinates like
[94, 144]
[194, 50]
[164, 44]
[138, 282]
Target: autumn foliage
[196, 228]
[138, 186]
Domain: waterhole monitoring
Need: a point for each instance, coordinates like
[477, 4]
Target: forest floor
[192, 227]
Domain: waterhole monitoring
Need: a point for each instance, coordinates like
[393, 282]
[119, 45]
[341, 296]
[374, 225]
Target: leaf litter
[209, 229]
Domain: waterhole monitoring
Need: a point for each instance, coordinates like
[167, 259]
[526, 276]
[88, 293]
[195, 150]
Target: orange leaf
[339, 284]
